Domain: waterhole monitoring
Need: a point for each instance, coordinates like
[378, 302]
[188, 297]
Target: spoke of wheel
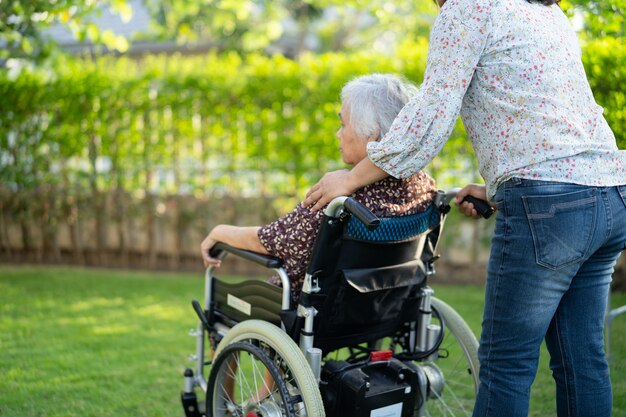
[249, 390]
[233, 377]
[457, 384]
[285, 372]
[441, 403]
[255, 371]
[240, 372]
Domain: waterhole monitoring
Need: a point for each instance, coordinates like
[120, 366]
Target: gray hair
[374, 101]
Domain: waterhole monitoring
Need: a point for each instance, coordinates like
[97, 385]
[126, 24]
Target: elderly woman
[369, 105]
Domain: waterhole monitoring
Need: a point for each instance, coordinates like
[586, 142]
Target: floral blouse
[292, 237]
[513, 71]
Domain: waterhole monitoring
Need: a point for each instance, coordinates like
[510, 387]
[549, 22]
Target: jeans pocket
[622, 192]
[562, 226]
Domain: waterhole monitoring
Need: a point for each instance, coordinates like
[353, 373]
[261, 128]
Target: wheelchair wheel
[259, 371]
[456, 368]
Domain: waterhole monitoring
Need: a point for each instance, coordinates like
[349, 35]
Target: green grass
[469, 302]
[92, 342]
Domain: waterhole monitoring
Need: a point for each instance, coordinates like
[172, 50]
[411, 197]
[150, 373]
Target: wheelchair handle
[352, 206]
[482, 207]
[362, 213]
[220, 249]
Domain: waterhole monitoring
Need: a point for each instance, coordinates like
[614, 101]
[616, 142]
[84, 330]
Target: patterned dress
[513, 71]
[292, 236]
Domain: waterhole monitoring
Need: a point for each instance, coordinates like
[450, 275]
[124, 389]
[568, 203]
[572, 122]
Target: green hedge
[605, 63]
[211, 124]
[201, 126]
[214, 123]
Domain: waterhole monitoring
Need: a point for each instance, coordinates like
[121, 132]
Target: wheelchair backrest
[367, 283]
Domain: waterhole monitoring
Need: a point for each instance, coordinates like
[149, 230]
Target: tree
[253, 25]
[240, 25]
[22, 23]
[601, 18]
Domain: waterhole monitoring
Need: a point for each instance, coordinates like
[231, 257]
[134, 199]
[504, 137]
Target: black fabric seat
[369, 280]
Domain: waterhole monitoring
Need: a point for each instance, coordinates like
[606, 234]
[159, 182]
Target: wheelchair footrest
[190, 404]
[189, 398]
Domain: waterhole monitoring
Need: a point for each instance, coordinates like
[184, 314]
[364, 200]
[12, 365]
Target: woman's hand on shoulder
[342, 183]
[474, 190]
[331, 185]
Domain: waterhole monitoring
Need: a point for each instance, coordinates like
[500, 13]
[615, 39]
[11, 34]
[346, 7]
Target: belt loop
[516, 181]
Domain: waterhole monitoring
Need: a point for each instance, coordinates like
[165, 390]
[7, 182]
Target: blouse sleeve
[457, 41]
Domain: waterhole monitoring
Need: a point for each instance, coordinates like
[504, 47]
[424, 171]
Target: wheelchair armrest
[258, 258]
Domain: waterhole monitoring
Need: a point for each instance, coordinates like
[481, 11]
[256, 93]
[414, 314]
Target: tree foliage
[253, 25]
[600, 18]
[229, 24]
[291, 26]
[22, 23]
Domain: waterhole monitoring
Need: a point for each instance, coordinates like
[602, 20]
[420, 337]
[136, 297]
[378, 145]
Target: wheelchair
[366, 338]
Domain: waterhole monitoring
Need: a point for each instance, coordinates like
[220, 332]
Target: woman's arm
[342, 183]
[239, 237]
[458, 39]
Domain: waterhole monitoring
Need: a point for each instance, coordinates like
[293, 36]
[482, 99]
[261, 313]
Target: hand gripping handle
[482, 207]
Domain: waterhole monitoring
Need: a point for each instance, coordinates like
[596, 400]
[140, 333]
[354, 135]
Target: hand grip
[362, 213]
[264, 260]
[482, 207]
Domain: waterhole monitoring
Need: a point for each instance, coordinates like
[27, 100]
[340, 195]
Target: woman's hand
[475, 190]
[333, 184]
[205, 247]
[342, 183]
[242, 237]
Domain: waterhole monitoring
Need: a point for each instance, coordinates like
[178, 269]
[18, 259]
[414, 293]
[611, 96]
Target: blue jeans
[553, 252]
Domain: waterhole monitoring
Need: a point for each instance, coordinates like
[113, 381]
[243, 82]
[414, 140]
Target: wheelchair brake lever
[198, 309]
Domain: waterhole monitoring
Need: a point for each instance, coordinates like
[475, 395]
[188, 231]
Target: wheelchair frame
[422, 337]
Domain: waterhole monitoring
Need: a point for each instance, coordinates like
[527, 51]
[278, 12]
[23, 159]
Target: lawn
[93, 342]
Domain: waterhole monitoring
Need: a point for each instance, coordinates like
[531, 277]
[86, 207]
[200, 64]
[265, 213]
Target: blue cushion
[394, 229]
